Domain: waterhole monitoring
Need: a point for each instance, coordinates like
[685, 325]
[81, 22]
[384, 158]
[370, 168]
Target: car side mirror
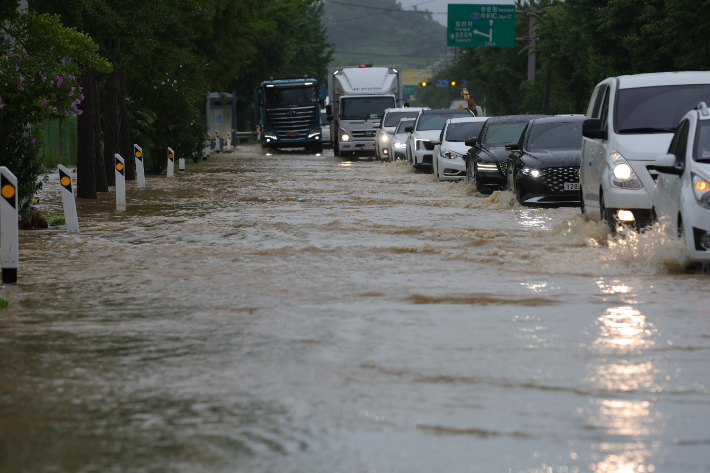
[329, 118]
[470, 142]
[511, 146]
[592, 128]
[329, 109]
[667, 165]
[408, 129]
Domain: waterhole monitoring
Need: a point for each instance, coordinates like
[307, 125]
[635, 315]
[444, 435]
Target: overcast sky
[441, 5]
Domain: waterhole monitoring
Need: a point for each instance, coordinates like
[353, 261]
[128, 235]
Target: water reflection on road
[302, 313]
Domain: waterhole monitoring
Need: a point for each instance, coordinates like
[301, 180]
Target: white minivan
[682, 198]
[630, 122]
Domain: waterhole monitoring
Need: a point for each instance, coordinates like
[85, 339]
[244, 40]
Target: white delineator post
[181, 164]
[171, 162]
[120, 169]
[70, 217]
[229, 141]
[207, 148]
[140, 171]
[9, 238]
[218, 141]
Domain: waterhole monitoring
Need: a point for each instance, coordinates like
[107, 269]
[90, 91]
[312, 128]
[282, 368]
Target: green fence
[59, 142]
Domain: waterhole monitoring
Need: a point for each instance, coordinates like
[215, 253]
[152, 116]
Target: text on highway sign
[491, 26]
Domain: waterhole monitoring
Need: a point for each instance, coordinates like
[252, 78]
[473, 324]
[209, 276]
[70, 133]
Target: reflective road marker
[8, 225]
[120, 167]
[70, 217]
[171, 162]
[140, 171]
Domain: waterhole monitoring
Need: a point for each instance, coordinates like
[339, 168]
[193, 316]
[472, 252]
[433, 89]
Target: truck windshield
[501, 133]
[555, 136]
[392, 118]
[364, 108]
[657, 109]
[460, 132]
[295, 96]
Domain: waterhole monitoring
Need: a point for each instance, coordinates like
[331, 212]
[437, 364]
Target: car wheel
[610, 220]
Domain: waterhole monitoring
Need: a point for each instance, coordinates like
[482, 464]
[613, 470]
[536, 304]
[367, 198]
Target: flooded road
[294, 313]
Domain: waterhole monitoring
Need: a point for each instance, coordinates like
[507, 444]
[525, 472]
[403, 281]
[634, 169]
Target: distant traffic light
[453, 82]
[423, 84]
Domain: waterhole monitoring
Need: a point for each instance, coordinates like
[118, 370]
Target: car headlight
[400, 145]
[344, 136]
[448, 154]
[531, 172]
[623, 175]
[271, 135]
[701, 189]
[487, 167]
[315, 132]
[384, 138]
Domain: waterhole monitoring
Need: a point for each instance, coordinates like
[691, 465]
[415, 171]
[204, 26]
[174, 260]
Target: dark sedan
[486, 160]
[543, 167]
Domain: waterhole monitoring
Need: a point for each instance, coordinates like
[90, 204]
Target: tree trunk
[126, 145]
[112, 124]
[86, 156]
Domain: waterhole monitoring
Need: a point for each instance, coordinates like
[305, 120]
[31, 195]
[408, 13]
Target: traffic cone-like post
[140, 170]
[171, 162]
[70, 217]
[218, 144]
[9, 238]
[120, 169]
[207, 148]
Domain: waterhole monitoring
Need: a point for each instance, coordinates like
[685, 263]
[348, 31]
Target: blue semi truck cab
[288, 112]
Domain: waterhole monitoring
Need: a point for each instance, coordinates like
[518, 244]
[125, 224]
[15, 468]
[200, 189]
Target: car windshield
[702, 141]
[364, 108]
[402, 125]
[436, 121]
[460, 132]
[657, 109]
[501, 133]
[392, 118]
[555, 136]
[284, 96]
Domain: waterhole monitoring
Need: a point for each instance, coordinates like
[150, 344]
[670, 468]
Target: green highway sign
[491, 26]
[409, 90]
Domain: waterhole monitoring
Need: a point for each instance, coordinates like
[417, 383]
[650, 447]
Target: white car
[630, 122]
[420, 149]
[682, 197]
[450, 150]
[398, 143]
[389, 122]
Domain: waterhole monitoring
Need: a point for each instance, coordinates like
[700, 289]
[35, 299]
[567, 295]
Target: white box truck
[358, 97]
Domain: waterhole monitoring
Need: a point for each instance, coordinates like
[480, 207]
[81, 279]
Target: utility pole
[530, 38]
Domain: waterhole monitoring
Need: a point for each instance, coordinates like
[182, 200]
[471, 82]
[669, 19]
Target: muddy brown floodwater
[299, 313]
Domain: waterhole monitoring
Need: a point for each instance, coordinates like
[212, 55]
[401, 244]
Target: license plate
[291, 133]
[571, 186]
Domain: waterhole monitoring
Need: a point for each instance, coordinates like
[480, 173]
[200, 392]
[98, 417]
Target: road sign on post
[409, 90]
[489, 26]
[442, 82]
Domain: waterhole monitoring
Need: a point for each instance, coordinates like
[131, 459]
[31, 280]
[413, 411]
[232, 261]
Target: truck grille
[364, 134]
[292, 122]
[555, 178]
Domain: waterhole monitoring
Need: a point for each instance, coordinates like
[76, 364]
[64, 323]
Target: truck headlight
[623, 175]
[315, 132]
[271, 135]
[701, 189]
[344, 136]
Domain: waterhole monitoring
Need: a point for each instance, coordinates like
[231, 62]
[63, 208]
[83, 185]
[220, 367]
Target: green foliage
[4, 302]
[19, 151]
[365, 32]
[54, 220]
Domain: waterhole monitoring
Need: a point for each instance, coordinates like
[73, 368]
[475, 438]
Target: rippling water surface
[298, 313]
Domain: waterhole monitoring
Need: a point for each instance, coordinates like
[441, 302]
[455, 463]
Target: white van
[630, 122]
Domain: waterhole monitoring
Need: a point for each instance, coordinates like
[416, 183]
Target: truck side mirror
[322, 93]
[329, 118]
[592, 128]
[408, 129]
[329, 110]
[667, 165]
[470, 142]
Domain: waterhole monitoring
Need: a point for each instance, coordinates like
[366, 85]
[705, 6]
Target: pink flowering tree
[38, 80]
